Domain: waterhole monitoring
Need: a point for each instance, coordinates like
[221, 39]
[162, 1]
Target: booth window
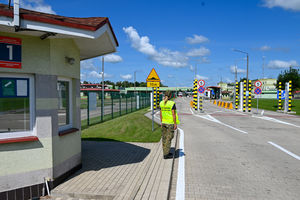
[16, 102]
[64, 104]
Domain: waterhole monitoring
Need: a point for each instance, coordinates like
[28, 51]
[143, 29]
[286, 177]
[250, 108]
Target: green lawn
[133, 127]
[272, 104]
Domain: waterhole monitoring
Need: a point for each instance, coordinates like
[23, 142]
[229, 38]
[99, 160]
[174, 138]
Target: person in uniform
[169, 121]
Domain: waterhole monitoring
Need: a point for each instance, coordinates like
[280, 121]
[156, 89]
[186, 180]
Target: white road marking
[275, 120]
[284, 150]
[180, 188]
[210, 118]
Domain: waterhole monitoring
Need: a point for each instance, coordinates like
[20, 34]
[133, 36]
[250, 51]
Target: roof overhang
[90, 43]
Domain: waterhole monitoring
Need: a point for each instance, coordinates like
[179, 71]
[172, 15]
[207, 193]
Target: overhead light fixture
[70, 60]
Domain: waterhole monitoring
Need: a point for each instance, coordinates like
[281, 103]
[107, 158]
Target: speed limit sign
[257, 83]
[201, 83]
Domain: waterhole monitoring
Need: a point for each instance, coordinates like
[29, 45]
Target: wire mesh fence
[115, 104]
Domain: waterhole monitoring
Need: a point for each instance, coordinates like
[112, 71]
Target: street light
[247, 66]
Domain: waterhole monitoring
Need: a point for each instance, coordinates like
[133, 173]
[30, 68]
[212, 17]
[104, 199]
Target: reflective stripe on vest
[166, 112]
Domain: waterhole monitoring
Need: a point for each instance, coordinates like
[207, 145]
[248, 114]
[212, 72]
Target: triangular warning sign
[153, 76]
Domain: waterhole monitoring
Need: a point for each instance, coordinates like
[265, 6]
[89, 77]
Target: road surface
[234, 155]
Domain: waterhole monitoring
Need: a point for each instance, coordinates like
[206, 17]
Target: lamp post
[247, 67]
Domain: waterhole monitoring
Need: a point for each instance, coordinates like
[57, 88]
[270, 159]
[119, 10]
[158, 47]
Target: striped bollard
[236, 95]
[249, 97]
[154, 98]
[290, 97]
[157, 97]
[244, 96]
[279, 97]
[195, 94]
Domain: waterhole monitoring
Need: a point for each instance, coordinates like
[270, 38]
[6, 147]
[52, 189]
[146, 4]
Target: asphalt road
[235, 155]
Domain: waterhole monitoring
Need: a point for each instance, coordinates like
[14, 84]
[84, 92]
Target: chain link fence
[115, 104]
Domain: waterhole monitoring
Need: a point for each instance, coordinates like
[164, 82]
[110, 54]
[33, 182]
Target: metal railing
[116, 104]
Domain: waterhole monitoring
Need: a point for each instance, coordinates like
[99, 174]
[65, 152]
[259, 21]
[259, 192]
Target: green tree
[289, 75]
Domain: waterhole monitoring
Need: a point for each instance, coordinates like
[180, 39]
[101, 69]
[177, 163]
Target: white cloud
[94, 74]
[126, 76]
[164, 56]
[82, 77]
[37, 5]
[228, 80]
[238, 70]
[279, 64]
[113, 58]
[201, 77]
[88, 65]
[170, 76]
[202, 51]
[191, 68]
[197, 39]
[265, 48]
[285, 4]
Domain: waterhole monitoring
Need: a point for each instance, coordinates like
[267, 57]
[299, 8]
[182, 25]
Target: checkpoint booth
[40, 121]
[214, 92]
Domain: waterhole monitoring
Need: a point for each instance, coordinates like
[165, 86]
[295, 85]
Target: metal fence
[115, 104]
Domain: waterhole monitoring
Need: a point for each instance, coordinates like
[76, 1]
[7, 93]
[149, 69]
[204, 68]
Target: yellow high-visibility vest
[166, 112]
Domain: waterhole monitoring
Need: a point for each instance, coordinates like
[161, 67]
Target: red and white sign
[201, 83]
[257, 83]
[10, 52]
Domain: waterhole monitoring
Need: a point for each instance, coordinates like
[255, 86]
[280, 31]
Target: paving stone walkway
[118, 170]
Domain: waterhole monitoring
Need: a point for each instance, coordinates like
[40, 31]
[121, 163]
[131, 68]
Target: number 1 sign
[10, 52]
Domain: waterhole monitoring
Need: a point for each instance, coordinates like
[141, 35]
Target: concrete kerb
[173, 147]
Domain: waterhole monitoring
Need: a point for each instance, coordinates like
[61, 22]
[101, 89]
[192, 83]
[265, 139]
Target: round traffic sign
[258, 83]
[201, 90]
[201, 83]
[257, 90]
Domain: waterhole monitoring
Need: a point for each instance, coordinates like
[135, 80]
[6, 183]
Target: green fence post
[88, 109]
[112, 106]
[131, 103]
[120, 104]
[126, 102]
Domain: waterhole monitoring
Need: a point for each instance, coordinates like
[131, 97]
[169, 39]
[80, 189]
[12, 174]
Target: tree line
[124, 84]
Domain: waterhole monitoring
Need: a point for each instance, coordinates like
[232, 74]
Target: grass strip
[133, 127]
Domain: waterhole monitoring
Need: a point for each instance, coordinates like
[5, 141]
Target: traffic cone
[215, 102]
[230, 106]
[222, 105]
[191, 104]
[226, 105]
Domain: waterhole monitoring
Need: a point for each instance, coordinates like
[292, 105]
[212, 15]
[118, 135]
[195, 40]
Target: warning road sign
[153, 79]
[201, 83]
[153, 76]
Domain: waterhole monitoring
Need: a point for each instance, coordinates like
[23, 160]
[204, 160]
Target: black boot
[170, 155]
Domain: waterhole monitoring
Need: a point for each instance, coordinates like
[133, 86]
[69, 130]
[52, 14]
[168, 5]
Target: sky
[179, 38]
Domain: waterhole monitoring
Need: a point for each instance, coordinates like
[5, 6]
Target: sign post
[153, 81]
[257, 91]
[201, 90]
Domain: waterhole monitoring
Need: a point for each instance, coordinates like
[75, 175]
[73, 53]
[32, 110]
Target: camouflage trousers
[167, 136]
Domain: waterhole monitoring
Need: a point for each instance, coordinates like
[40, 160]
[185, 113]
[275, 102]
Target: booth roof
[86, 31]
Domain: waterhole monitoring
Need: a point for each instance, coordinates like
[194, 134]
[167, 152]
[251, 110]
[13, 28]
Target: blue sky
[173, 36]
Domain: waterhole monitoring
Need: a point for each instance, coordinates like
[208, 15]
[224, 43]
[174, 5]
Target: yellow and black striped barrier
[154, 98]
[244, 96]
[249, 96]
[279, 97]
[201, 103]
[290, 97]
[195, 94]
[157, 98]
[236, 95]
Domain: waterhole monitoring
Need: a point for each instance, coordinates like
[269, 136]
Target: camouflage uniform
[167, 136]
